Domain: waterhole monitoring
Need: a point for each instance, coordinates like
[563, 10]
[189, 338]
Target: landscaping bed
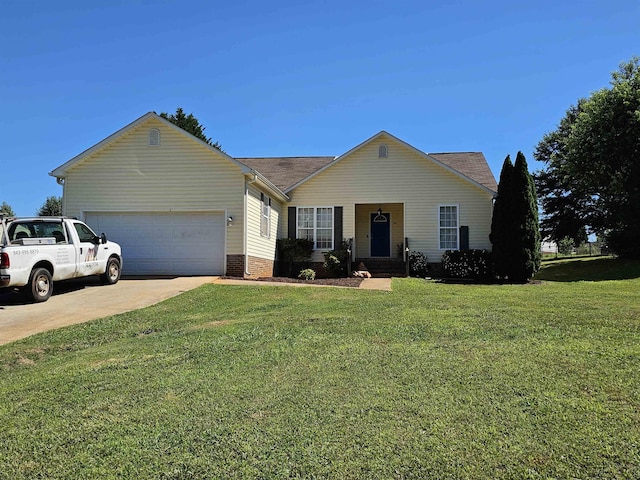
[334, 282]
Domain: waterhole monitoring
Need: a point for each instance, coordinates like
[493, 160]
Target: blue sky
[297, 78]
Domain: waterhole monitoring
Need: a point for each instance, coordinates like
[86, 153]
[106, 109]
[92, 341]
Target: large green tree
[190, 124]
[5, 209]
[559, 196]
[591, 176]
[52, 207]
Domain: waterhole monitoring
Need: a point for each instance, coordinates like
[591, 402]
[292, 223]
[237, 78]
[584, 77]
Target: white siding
[403, 178]
[178, 176]
[257, 245]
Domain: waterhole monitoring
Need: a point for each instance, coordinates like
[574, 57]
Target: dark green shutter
[292, 233]
[337, 227]
[464, 238]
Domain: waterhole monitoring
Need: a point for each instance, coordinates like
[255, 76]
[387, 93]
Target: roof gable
[283, 174]
[470, 166]
[60, 172]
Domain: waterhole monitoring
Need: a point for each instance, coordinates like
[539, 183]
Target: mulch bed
[335, 282]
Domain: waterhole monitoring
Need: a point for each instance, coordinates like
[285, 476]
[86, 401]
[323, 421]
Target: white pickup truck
[35, 252]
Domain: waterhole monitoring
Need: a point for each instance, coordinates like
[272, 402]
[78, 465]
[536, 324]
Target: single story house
[179, 206]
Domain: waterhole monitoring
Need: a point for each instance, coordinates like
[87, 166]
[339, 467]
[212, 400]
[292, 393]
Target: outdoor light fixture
[379, 211]
[229, 220]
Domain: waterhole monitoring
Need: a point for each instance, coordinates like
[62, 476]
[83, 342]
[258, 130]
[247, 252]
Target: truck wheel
[40, 285]
[112, 273]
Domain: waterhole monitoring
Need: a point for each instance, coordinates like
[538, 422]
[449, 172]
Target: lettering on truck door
[88, 252]
[64, 252]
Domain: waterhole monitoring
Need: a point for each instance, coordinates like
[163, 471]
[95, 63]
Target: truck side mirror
[103, 238]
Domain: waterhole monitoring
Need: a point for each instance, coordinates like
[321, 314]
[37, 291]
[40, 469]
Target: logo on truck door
[92, 254]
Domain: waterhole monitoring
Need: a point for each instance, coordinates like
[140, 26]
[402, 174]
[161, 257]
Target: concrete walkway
[367, 283]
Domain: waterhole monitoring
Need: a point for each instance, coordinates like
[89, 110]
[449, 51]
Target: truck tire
[40, 285]
[112, 273]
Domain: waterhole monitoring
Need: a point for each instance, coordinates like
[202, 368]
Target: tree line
[591, 179]
[52, 207]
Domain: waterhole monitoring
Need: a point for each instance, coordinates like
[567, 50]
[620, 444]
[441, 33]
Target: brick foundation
[258, 267]
[235, 266]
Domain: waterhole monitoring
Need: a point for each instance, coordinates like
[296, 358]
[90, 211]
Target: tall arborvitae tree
[515, 233]
[526, 260]
[502, 218]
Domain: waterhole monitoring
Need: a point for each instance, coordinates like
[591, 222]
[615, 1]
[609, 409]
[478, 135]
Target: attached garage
[165, 243]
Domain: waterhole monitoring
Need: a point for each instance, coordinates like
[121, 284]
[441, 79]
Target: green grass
[589, 269]
[428, 381]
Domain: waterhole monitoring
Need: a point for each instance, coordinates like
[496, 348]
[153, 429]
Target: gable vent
[154, 137]
[383, 151]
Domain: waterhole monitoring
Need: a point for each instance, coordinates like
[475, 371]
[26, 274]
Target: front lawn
[428, 381]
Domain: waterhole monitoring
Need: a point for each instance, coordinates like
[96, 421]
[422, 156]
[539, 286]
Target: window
[448, 227]
[383, 151]
[316, 224]
[265, 216]
[37, 229]
[84, 233]
[154, 137]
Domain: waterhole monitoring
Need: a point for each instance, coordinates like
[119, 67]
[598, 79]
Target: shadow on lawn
[590, 270]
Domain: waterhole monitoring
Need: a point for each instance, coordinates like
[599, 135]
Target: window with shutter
[316, 224]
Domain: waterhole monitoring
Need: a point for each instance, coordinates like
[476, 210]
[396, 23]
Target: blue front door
[380, 235]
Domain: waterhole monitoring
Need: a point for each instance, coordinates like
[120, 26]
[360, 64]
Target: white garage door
[165, 244]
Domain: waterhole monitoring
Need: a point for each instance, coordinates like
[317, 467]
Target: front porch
[379, 240]
[382, 267]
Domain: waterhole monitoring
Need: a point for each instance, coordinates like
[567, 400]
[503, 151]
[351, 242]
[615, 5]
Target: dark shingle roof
[285, 172]
[471, 164]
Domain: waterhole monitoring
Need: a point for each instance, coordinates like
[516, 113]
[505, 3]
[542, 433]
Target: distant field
[429, 381]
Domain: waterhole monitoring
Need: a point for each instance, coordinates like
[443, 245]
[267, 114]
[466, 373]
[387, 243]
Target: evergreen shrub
[418, 266]
[468, 264]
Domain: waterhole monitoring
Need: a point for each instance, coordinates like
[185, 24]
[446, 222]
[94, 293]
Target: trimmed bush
[307, 274]
[335, 261]
[468, 264]
[418, 266]
[293, 251]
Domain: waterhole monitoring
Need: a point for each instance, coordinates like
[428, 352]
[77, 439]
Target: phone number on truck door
[34, 251]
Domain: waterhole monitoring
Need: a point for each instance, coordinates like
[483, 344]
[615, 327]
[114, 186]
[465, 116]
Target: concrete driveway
[81, 300]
